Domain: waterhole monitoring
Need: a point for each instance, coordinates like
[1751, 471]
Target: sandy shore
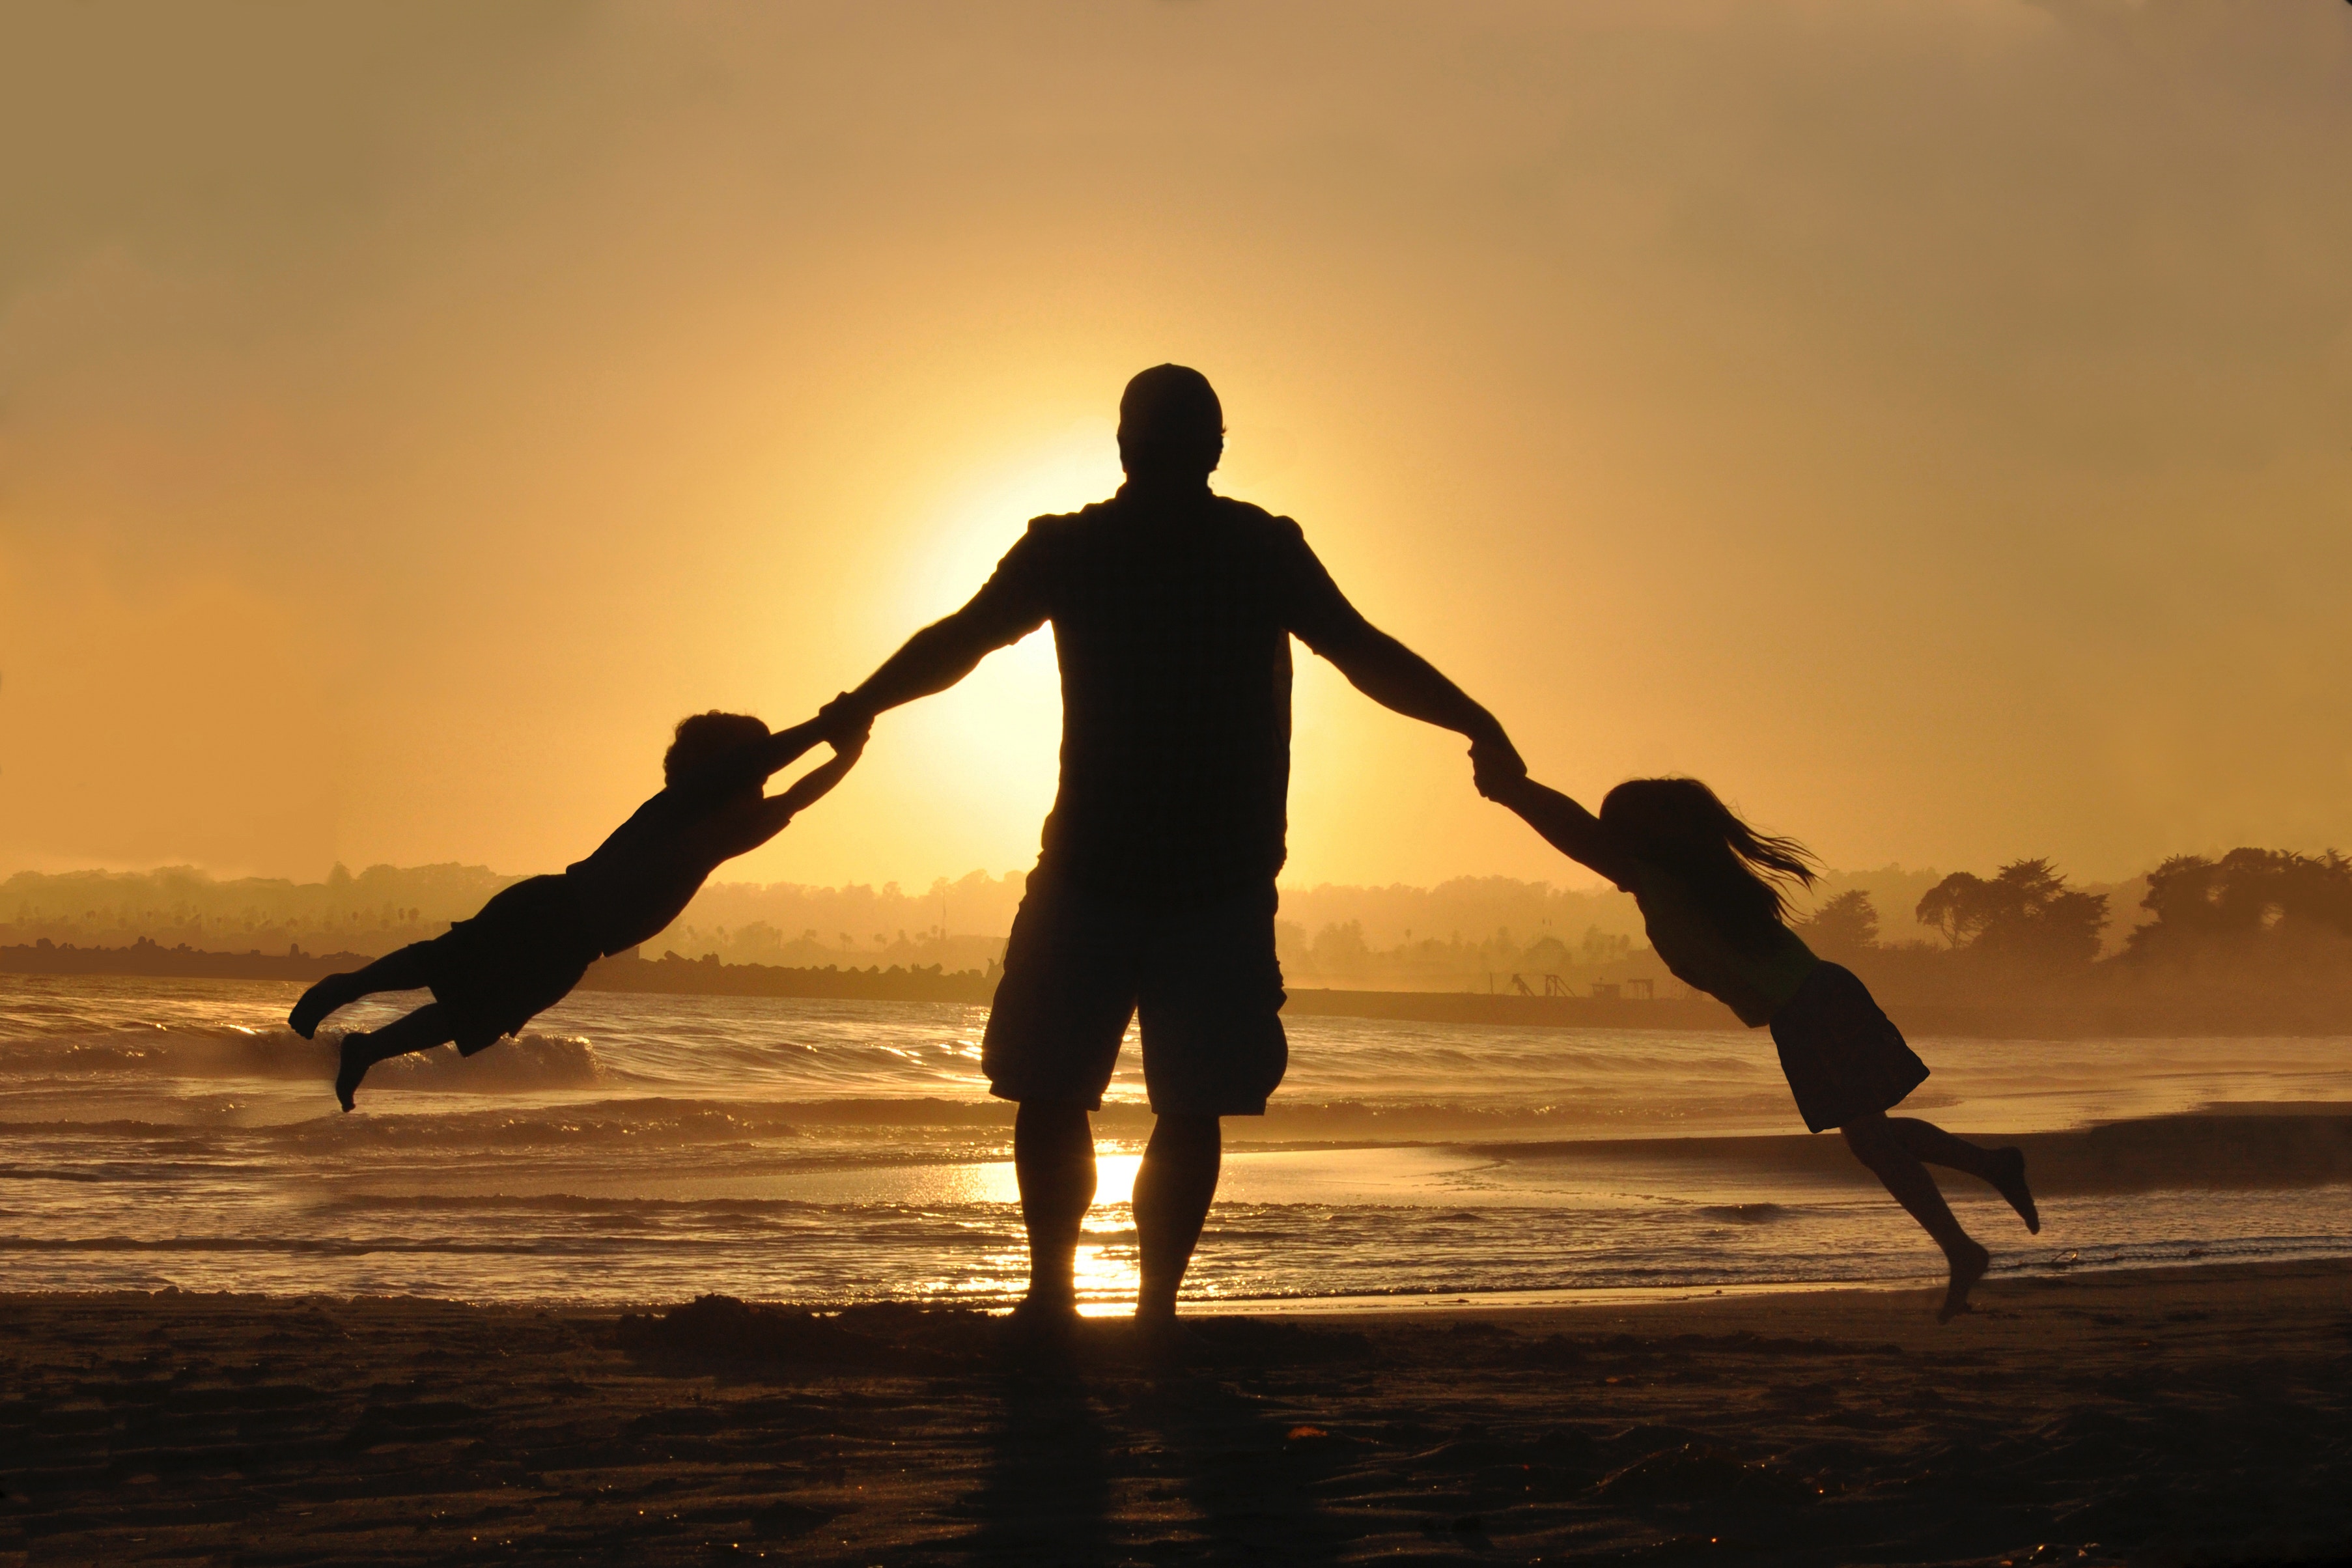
[2197, 1415]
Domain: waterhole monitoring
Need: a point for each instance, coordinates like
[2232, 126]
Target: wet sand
[2192, 1415]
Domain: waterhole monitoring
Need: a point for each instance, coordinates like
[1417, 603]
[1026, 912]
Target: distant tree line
[2251, 920]
[2248, 905]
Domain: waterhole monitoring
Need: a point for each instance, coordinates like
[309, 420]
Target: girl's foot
[316, 1004]
[354, 1066]
[1968, 1267]
[2009, 1180]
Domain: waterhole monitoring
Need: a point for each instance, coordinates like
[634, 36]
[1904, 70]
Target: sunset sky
[1931, 423]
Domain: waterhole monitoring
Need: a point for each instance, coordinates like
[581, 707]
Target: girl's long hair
[1680, 825]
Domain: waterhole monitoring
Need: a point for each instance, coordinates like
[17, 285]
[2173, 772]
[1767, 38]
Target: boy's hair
[705, 739]
[1679, 824]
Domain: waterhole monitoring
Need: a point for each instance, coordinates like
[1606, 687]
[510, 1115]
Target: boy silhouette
[532, 942]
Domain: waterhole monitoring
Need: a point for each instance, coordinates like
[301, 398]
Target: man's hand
[852, 743]
[845, 721]
[1496, 765]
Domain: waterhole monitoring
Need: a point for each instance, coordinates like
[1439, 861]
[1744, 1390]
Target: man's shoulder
[1064, 521]
[1055, 529]
[1221, 523]
[1249, 515]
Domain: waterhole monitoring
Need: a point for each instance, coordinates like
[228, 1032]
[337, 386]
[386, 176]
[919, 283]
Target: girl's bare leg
[420, 1031]
[2004, 1168]
[401, 971]
[1875, 1143]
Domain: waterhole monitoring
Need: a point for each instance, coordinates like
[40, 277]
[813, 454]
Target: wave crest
[226, 1051]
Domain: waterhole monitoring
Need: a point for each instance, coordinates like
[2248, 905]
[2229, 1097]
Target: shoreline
[2160, 1016]
[1541, 1301]
[2186, 1415]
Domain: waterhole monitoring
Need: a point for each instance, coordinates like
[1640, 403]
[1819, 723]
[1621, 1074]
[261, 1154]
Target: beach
[2199, 1414]
[1468, 1294]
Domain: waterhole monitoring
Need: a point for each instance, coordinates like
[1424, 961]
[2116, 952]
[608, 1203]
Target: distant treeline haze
[2249, 918]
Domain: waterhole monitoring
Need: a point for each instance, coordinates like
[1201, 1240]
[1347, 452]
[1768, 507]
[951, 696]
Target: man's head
[1171, 425]
[704, 739]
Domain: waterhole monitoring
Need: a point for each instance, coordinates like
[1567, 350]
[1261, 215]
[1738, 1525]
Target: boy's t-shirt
[1754, 982]
[645, 874]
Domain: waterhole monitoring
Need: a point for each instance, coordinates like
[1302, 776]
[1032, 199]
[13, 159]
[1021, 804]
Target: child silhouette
[1710, 890]
[532, 942]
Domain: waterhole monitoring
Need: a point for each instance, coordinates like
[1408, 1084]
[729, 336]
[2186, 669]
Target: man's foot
[316, 1004]
[1968, 1267]
[1163, 1337]
[1043, 1321]
[2008, 1181]
[352, 1067]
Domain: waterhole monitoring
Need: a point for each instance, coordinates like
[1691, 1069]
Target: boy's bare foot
[352, 1067]
[1968, 1267]
[316, 1004]
[2009, 1180]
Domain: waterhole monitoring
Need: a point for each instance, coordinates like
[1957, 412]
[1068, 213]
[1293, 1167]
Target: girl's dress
[1842, 1056]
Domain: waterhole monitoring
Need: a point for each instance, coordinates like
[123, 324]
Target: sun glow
[982, 511]
[984, 753]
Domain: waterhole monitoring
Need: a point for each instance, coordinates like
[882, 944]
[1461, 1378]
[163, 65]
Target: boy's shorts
[520, 956]
[1079, 965]
[1842, 1056]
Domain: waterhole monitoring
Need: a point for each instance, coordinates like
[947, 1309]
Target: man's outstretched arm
[1397, 679]
[939, 655]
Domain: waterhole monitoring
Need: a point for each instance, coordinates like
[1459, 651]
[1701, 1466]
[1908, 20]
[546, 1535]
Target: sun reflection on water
[1107, 1272]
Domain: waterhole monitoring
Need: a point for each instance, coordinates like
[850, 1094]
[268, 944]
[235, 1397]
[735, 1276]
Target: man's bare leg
[2004, 1168]
[420, 1031]
[1875, 1144]
[1173, 1188]
[1054, 1160]
[400, 971]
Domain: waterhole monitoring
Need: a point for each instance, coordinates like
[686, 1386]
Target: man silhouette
[1172, 611]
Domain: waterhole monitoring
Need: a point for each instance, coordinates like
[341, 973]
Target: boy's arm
[1567, 827]
[785, 746]
[751, 767]
[778, 810]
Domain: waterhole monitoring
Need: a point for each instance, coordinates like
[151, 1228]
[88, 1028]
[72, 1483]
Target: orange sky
[1927, 423]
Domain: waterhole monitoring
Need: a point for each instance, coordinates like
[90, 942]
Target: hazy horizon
[1924, 423]
[158, 902]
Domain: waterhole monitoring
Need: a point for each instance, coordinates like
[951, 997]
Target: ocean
[159, 1133]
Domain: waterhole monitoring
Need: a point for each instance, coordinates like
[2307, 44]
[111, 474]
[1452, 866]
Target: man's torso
[1172, 621]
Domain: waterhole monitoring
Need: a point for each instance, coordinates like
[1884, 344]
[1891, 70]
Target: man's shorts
[1079, 965]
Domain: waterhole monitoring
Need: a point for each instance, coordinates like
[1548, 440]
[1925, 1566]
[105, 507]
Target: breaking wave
[233, 1051]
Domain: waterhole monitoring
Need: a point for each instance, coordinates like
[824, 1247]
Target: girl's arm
[1568, 828]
